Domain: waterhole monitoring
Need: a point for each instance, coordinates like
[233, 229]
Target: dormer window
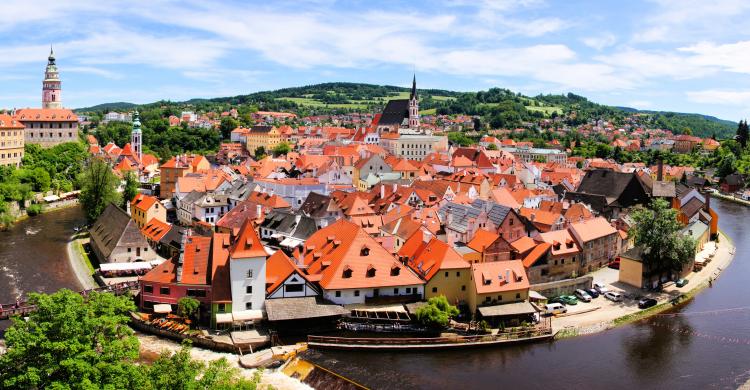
[395, 271]
[365, 251]
[347, 273]
[370, 271]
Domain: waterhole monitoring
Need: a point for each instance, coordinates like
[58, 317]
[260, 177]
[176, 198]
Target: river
[682, 351]
[686, 350]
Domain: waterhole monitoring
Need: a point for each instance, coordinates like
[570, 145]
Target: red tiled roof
[46, 115]
[278, 269]
[482, 239]
[492, 277]
[248, 243]
[155, 229]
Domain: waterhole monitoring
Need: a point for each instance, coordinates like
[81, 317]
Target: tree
[727, 165]
[227, 125]
[72, 342]
[98, 188]
[657, 233]
[260, 153]
[743, 133]
[131, 188]
[437, 313]
[188, 307]
[281, 149]
[491, 147]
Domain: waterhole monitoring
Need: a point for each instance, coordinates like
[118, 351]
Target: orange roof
[592, 229]
[503, 197]
[482, 239]
[221, 290]
[143, 202]
[542, 219]
[536, 254]
[500, 276]
[46, 115]
[248, 243]
[194, 265]
[347, 257]
[8, 122]
[432, 256]
[278, 269]
[578, 212]
[155, 229]
[562, 242]
[125, 165]
[266, 199]
[523, 244]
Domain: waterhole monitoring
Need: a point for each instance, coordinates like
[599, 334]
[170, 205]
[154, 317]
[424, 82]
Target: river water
[699, 348]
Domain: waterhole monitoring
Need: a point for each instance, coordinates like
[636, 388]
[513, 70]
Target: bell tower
[136, 137]
[414, 106]
[51, 86]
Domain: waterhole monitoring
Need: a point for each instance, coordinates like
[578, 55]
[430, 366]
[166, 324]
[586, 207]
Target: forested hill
[497, 107]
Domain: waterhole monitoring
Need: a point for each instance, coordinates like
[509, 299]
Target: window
[434, 289]
[446, 274]
[248, 305]
[338, 294]
[129, 249]
[250, 274]
[222, 307]
[463, 288]
[294, 288]
[148, 288]
[395, 271]
[356, 293]
[395, 291]
[408, 290]
[518, 295]
[365, 251]
[499, 297]
[196, 293]
[249, 290]
[347, 273]
[487, 299]
[458, 274]
[164, 290]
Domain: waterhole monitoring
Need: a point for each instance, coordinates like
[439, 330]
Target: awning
[224, 318]
[535, 295]
[162, 308]
[276, 235]
[51, 198]
[247, 315]
[508, 309]
[125, 266]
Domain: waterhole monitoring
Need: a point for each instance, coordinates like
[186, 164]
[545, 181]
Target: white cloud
[733, 57]
[93, 70]
[721, 97]
[606, 39]
[686, 20]
[642, 65]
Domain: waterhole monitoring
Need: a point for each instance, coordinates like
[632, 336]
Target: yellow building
[266, 137]
[176, 168]
[445, 271]
[143, 208]
[497, 282]
[11, 140]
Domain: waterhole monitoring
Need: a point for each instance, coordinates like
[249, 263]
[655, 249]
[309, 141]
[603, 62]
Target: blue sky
[680, 55]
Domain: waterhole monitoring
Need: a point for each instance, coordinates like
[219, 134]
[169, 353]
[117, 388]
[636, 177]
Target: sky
[676, 55]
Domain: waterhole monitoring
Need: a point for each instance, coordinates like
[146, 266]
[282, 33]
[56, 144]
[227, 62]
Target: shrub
[34, 209]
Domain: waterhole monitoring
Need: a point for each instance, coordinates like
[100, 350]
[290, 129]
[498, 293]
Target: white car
[555, 308]
[583, 295]
[613, 296]
[601, 288]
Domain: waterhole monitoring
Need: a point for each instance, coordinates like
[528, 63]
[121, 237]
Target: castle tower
[414, 106]
[136, 137]
[51, 86]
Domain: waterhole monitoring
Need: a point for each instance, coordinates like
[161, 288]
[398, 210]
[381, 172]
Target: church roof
[394, 112]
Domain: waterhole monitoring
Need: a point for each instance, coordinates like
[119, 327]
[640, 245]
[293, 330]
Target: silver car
[598, 286]
[613, 296]
[583, 295]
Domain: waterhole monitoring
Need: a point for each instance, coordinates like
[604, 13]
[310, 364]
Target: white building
[247, 271]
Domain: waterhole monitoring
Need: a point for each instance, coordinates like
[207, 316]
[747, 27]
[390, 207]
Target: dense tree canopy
[98, 188]
[657, 232]
[437, 312]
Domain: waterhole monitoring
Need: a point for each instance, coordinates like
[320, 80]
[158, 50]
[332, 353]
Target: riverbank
[601, 314]
[731, 198]
[81, 267]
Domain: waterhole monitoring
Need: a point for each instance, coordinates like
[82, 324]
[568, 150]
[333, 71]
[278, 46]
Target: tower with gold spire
[51, 86]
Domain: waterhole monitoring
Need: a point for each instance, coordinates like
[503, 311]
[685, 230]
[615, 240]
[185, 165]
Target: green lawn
[431, 111]
[546, 110]
[353, 104]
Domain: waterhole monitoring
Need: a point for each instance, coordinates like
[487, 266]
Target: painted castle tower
[136, 137]
[51, 86]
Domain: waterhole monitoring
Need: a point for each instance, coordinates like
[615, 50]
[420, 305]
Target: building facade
[11, 141]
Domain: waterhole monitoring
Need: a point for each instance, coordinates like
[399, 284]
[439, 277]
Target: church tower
[51, 86]
[136, 137]
[414, 106]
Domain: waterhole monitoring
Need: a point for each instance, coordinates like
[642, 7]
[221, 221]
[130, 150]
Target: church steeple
[51, 86]
[414, 105]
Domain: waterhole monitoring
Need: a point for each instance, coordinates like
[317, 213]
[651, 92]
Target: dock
[428, 343]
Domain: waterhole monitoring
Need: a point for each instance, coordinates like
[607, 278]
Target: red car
[614, 264]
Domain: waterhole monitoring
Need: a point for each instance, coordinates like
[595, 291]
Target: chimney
[660, 172]
[258, 210]
[382, 191]
[507, 275]
[395, 187]
[707, 205]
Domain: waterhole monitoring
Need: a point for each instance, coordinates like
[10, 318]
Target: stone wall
[563, 287]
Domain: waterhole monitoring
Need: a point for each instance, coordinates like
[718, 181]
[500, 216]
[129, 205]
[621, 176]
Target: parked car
[645, 303]
[555, 308]
[569, 299]
[583, 295]
[600, 287]
[613, 296]
[614, 264]
[681, 282]
[592, 292]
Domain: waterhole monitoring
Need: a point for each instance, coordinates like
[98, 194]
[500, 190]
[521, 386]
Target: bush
[34, 209]
[437, 313]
